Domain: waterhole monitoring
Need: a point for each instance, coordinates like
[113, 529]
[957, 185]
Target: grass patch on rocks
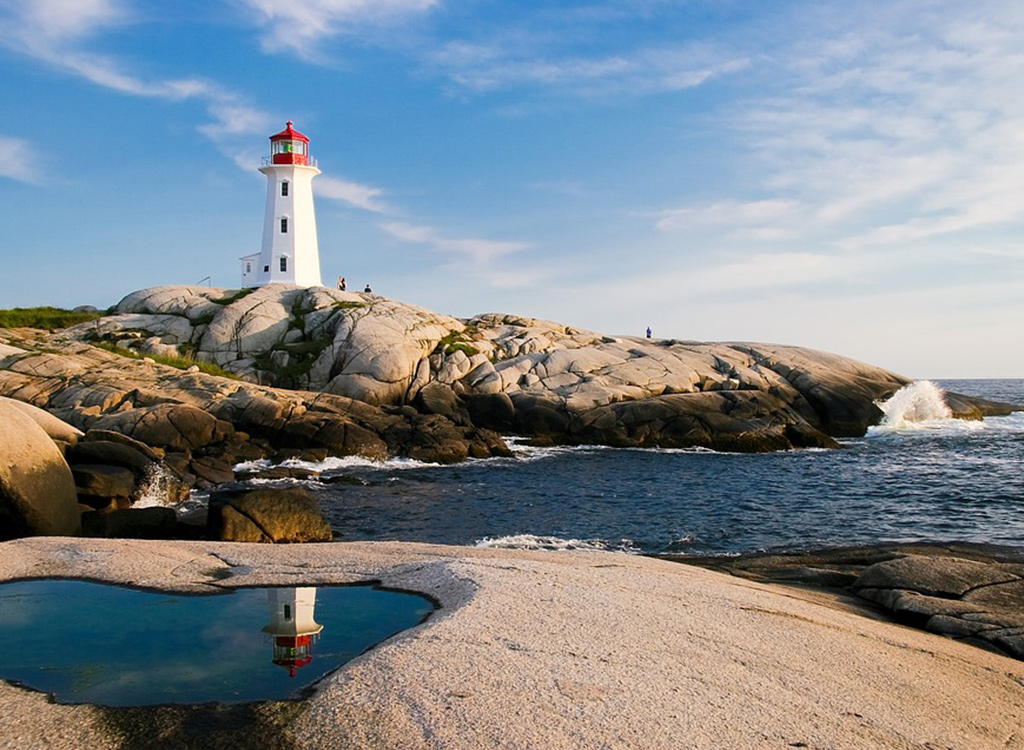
[302, 355]
[234, 297]
[181, 363]
[458, 341]
[46, 318]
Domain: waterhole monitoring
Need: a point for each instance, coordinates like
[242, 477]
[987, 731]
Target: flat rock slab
[549, 649]
[962, 590]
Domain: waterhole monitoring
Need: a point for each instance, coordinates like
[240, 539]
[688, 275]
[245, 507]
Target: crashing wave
[332, 463]
[919, 405]
[536, 542]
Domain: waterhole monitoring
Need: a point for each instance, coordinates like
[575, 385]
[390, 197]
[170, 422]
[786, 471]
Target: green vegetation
[458, 341]
[47, 318]
[182, 363]
[348, 305]
[234, 297]
[302, 355]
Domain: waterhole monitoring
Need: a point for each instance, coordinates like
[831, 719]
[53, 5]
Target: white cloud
[900, 130]
[751, 215]
[479, 252]
[18, 160]
[54, 32]
[361, 196]
[300, 25]
[515, 63]
[63, 19]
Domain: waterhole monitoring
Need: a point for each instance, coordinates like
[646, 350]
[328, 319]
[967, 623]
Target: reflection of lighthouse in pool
[292, 626]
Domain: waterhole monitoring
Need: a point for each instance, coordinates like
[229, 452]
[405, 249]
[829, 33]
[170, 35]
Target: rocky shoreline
[967, 591]
[310, 373]
[564, 650]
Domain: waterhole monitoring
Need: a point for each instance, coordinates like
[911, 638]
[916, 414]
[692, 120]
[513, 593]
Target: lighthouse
[292, 626]
[290, 253]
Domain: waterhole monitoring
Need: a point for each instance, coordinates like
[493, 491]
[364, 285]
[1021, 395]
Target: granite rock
[37, 490]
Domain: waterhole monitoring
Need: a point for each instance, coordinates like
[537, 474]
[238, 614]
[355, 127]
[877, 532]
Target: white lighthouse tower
[290, 253]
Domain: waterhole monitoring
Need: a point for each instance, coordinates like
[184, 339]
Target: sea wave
[538, 542]
[920, 407]
[335, 463]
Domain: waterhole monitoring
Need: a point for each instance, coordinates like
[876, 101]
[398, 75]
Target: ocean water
[919, 476]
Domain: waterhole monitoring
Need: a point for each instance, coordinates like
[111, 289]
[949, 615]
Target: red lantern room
[289, 147]
[293, 652]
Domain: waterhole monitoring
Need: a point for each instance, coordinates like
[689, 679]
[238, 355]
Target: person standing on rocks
[648, 331]
[342, 284]
[368, 290]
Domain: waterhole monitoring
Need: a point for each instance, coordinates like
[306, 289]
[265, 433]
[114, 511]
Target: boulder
[211, 470]
[168, 426]
[266, 515]
[37, 491]
[945, 577]
[438, 398]
[952, 596]
[110, 453]
[60, 432]
[103, 481]
[131, 523]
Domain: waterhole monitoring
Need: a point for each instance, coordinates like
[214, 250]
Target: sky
[847, 176]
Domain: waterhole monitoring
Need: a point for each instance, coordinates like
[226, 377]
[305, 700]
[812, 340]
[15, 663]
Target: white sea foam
[336, 463]
[920, 406]
[533, 541]
[157, 482]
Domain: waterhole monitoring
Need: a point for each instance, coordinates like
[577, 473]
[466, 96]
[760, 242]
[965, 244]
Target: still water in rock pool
[90, 643]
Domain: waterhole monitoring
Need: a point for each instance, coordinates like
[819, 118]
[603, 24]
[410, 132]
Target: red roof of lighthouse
[289, 133]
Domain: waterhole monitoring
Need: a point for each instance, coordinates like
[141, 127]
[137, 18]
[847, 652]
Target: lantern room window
[289, 147]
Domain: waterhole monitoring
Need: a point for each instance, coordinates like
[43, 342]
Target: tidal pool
[86, 642]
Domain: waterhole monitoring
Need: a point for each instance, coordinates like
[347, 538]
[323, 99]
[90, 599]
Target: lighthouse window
[284, 225]
[287, 611]
[284, 189]
[284, 263]
[248, 267]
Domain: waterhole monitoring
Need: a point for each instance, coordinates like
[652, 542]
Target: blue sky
[842, 175]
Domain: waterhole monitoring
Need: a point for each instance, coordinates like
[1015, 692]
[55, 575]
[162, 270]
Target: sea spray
[554, 543]
[159, 488]
[919, 403]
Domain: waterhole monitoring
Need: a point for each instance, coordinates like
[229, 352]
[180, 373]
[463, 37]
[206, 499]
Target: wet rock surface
[971, 592]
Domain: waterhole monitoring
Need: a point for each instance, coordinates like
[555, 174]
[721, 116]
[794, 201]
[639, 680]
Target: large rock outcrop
[199, 425]
[509, 373]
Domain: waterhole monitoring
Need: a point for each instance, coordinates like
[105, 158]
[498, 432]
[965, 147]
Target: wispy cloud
[479, 252]
[901, 130]
[299, 26]
[511, 64]
[18, 162]
[361, 196]
[57, 32]
[752, 217]
[893, 138]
